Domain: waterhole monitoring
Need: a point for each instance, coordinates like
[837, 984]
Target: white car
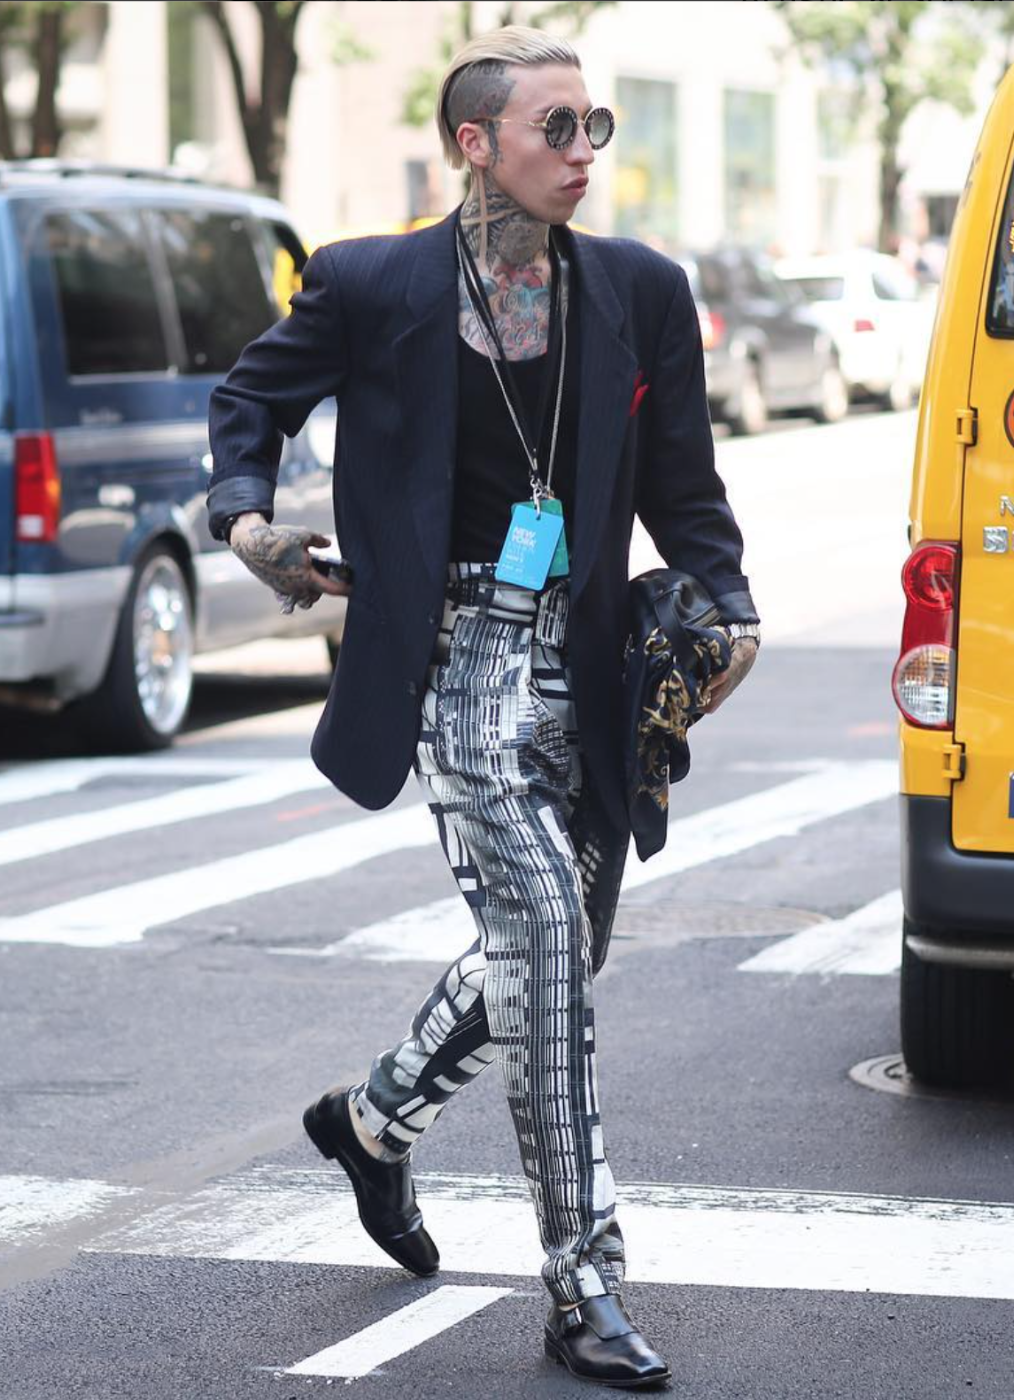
[880, 318]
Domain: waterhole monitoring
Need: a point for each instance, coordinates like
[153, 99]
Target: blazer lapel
[608, 369]
[426, 356]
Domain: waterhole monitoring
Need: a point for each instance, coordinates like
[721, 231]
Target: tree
[41, 30]
[897, 55]
[263, 107]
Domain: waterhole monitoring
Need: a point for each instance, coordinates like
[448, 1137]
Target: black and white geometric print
[499, 763]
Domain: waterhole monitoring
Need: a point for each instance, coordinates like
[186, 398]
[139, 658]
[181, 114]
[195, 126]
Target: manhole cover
[887, 1074]
[684, 921]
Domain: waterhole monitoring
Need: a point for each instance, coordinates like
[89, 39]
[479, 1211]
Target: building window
[645, 180]
[750, 207]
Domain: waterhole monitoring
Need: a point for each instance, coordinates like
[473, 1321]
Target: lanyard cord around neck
[479, 303]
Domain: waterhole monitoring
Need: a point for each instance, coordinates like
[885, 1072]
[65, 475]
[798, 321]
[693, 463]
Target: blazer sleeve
[681, 499]
[276, 382]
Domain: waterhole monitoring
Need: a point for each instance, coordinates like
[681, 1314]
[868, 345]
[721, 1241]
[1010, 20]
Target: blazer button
[433, 619]
[413, 689]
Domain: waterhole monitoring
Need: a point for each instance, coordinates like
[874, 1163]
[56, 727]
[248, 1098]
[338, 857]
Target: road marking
[708, 1236]
[168, 809]
[38, 780]
[867, 941]
[32, 1205]
[123, 914]
[440, 931]
[403, 1330]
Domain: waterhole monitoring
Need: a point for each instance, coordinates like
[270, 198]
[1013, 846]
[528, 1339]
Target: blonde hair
[487, 55]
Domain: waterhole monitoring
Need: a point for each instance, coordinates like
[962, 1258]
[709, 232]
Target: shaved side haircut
[476, 84]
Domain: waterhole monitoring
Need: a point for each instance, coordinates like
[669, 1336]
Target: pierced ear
[474, 142]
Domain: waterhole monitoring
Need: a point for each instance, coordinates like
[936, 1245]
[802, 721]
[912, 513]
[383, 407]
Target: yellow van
[954, 680]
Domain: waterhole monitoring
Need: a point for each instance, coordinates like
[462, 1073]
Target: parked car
[763, 350]
[127, 295]
[880, 318]
[954, 680]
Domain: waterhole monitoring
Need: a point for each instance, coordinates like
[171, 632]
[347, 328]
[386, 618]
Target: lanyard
[479, 303]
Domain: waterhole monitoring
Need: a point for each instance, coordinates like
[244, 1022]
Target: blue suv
[126, 297]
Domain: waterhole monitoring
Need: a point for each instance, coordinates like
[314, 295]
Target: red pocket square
[640, 389]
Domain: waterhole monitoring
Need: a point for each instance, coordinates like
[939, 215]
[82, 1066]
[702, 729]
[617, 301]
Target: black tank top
[491, 472]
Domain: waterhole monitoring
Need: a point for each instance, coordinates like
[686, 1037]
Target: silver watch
[738, 630]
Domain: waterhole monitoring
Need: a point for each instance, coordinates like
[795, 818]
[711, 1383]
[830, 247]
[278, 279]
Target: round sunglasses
[560, 126]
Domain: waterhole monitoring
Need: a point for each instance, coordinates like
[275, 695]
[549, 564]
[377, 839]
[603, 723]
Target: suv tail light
[36, 489]
[923, 680]
[712, 328]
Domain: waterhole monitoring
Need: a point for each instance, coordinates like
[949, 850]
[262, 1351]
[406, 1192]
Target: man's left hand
[744, 654]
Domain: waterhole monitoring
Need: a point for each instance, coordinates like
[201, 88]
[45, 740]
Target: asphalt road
[194, 945]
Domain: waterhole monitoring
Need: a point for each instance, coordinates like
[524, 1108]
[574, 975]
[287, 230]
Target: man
[510, 394]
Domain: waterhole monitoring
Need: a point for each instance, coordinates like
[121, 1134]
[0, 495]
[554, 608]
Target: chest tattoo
[519, 301]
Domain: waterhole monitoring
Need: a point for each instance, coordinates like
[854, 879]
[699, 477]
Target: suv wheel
[144, 697]
[901, 393]
[751, 413]
[957, 1023]
[833, 401]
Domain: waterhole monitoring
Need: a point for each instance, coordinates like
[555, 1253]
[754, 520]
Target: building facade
[723, 133]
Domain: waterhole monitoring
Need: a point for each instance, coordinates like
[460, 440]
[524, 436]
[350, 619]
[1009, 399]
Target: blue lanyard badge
[560, 567]
[529, 547]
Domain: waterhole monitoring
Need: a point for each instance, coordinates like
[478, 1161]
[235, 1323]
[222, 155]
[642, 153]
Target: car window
[286, 260]
[1000, 304]
[106, 291]
[713, 280]
[893, 283]
[819, 288]
[221, 295]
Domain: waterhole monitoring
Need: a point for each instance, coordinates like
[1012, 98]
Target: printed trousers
[540, 869]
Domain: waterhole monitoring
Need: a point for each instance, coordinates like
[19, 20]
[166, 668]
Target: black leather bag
[676, 646]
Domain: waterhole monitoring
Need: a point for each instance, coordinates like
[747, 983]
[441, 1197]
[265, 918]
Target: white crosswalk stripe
[122, 915]
[436, 932]
[399, 1332]
[38, 780]
[185, 804]
[439, 932]
[867, 942]
[705, 1236]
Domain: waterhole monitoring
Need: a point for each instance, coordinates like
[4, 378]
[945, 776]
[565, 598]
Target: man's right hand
[279, 556]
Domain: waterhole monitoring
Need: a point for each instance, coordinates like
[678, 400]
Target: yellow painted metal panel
[924, 761]
[984, 706]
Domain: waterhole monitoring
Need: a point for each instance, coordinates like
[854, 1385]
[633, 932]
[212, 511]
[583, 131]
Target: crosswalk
[117, 915]
[688, 1235]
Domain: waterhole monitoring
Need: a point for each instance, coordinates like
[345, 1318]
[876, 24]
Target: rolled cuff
[236, 495]
[737, 606]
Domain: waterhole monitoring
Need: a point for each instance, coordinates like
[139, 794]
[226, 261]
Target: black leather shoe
[384, 1191]
[597, 1341]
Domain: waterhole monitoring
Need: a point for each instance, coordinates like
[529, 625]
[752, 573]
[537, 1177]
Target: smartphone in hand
[329, 562]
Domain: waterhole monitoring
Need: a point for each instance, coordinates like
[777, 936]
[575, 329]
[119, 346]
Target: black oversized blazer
[375, 325]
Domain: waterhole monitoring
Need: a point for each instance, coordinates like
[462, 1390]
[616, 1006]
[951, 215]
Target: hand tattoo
[276, 554]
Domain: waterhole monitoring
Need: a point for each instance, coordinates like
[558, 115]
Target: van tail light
[36, 488]
[862, 324]
[712, 328]
[923, 680]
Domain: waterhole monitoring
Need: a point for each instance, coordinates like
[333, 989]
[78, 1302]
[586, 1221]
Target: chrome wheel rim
[753, 409]
[163, 644]
[834, 396]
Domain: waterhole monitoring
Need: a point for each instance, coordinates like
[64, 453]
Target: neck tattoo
[511, 251]
[498, 230]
